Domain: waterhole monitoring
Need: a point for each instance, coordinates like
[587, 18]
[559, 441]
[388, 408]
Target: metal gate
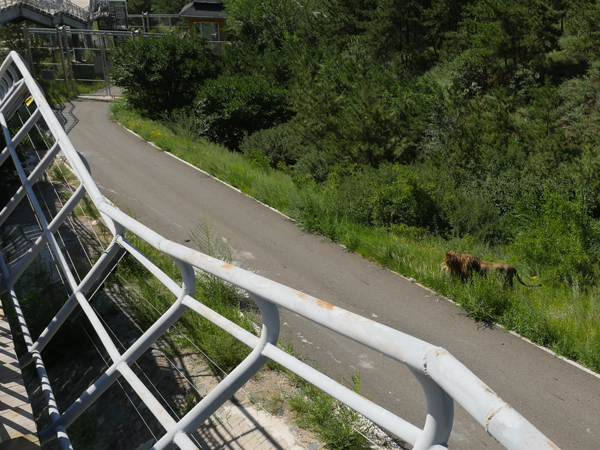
[74, 60]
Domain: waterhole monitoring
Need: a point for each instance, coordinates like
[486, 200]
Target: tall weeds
[563, 316]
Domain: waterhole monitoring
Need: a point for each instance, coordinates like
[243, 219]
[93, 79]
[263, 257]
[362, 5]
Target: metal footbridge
[47, 13]
[443, 378]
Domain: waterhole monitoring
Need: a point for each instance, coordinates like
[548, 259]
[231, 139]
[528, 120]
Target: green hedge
[230, 108]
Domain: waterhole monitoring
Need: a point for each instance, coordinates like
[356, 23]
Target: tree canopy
[481, 114]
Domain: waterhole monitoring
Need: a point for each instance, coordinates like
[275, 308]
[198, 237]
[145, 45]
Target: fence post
[62, 59]
[440, 414]
[66, 45]
[29, 56]
[104, 63]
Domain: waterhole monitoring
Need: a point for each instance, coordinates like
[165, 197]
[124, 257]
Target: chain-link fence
[76, 61]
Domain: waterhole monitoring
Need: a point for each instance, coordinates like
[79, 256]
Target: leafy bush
[263, 24]
[352, 111]
[279, 144]
[505, 34]
[564, 239]
[484, 206]
[389, 195]
[384, 197]
[162, 74]
[229, 108]
[583, 30]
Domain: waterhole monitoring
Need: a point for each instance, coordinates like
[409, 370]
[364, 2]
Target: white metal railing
[148, 22]
[51, 7]
[443, 378]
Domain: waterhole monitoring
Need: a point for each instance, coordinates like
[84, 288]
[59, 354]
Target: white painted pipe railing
[443, 378]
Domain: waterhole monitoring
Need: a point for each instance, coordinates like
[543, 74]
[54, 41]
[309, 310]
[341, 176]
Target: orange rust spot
[489, 391]
[227, 266]
[302, 295]
[324, 305]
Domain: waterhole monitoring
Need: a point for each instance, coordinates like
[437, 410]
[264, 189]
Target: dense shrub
[162, 74]
[392, 194]
[280, 144]
[230, 108]
[504, 35]
[564, 239]
[353, 111]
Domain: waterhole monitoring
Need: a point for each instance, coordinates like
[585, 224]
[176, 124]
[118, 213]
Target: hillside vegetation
[404, 129]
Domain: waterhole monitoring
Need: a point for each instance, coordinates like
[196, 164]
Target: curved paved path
[171, 197]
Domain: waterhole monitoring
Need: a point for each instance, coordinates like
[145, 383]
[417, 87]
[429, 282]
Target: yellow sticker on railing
[29, 101]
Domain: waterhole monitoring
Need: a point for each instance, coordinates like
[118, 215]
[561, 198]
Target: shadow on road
[64, 114]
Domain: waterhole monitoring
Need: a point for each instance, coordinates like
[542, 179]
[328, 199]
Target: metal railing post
[29, 55]
[104, 64]
[232, 382]
[62, 60]
[440, 414]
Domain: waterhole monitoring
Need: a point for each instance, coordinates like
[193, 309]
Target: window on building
[209, 30]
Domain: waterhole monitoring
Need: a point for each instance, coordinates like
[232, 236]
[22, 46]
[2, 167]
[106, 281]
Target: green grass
[337, 426]
[265, 184]
[56, 92]
[561, 317]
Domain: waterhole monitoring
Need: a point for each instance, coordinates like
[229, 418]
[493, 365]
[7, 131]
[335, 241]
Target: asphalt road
[172, 198]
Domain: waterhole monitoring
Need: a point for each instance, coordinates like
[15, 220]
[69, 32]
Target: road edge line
[412, 280]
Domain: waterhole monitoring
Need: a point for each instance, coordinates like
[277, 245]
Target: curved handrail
[443, 378]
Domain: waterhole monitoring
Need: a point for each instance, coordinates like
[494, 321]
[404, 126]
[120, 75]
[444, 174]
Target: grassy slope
[558, 317]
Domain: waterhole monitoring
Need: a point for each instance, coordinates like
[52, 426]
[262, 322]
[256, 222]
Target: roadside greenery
[336, 425]
[412, 128]
[229, 108]
[162, 74]
[562, 317]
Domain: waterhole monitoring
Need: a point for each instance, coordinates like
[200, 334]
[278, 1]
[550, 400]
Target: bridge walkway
[46, 13]
[17, 428]
[237, 425]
